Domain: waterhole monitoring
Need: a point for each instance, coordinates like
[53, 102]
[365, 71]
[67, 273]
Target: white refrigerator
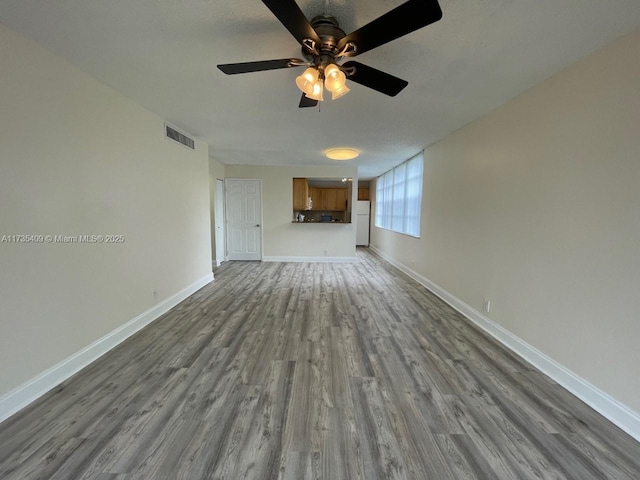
[363, 209]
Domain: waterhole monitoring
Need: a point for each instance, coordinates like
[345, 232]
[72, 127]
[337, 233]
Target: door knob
[257, 225]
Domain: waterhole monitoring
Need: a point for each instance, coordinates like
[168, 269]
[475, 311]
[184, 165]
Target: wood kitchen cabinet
[329, 199]
[363, 193]
[314, 193]
[341, 198]
[300, 193]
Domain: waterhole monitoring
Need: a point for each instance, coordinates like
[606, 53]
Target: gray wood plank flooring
[312, 371]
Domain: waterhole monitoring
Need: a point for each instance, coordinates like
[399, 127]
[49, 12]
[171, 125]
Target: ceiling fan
[324, 44]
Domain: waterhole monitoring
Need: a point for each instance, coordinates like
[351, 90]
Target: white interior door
[219, 219]
[244, 219]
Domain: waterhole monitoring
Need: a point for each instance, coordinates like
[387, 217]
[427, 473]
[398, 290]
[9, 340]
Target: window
[399, 197]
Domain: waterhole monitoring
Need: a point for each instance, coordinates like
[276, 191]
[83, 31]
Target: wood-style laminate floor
[312, 371]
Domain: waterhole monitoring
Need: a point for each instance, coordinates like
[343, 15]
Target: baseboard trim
[610, 408]
[23, 395]
[311, 259]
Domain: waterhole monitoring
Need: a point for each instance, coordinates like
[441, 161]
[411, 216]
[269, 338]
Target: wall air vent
[173, 134]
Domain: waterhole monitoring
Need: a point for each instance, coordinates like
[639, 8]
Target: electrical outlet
[154, 294]
[326, 252]
[486, 305]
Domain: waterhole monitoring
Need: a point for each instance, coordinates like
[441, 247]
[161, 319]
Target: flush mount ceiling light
[342, 153]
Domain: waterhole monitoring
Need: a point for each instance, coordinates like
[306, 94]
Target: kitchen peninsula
[322, 200]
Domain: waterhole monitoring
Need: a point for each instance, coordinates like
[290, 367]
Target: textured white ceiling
[163, 54]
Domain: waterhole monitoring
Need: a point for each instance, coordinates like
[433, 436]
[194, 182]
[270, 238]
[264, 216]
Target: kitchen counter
[322, 223]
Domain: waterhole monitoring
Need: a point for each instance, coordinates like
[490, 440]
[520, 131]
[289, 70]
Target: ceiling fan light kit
[324, 44]
[310, 84]
[338, 92]
[334, 78]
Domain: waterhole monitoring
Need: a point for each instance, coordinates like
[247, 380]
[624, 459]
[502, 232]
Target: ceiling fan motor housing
[330, 33]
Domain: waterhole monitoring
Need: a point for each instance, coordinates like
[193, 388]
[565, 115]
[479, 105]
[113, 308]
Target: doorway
[243, 201]
[219, 222]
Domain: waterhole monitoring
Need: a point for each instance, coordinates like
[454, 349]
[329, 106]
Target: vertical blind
[399, 197]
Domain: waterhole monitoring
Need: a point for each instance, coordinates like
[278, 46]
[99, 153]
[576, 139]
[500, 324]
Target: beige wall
[78, 158]
[537, 208]
[281, 237]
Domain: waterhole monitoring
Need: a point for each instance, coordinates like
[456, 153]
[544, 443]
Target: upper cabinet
[314, 193]
[329, 199]
[341, 198]
[300, 194]
[363, 193]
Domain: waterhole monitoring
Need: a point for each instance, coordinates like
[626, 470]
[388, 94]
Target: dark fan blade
[290, 15]
[375, 79]
[307, 102]
[400, 21]
[246, 67]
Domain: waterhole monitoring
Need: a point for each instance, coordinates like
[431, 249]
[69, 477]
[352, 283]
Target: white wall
[537, 208]
[281, 237]
[78, 158]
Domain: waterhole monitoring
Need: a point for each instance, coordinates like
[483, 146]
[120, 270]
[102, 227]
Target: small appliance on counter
[326, 218]
[300, 217]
